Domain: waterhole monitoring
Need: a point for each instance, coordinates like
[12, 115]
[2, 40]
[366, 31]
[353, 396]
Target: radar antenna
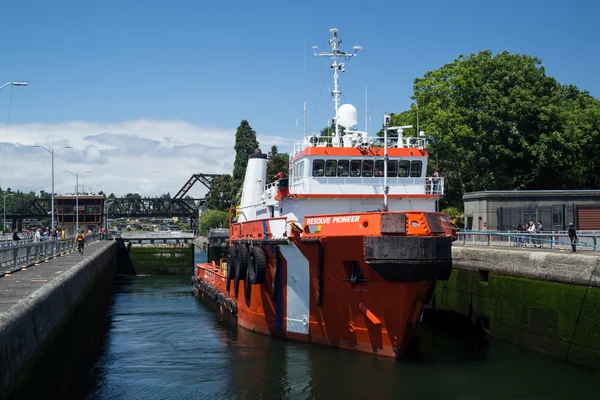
[335, 54]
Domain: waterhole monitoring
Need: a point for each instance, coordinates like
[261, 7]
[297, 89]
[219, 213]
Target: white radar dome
[347, 116]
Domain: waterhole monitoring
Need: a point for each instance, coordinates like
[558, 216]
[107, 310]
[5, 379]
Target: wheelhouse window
[318, 168]
[392, 166]
[355, 167]
[343, 167]
[330, 167]
[379, 168]
[415, 169]
[367, 169]
[403, 168]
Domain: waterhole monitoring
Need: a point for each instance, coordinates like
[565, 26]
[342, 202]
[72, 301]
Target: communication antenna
[335, 54]
[366, 109]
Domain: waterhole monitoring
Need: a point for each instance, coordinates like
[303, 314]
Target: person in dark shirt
[16, 235]
[573, 237]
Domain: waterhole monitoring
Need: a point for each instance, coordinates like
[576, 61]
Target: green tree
[220, 194]
[498, 122]
[278, 162]
[212, 219]
[245, 144]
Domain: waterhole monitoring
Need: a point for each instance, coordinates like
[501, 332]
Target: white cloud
[144, 156]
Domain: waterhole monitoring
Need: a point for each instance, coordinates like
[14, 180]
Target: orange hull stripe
[356, 152]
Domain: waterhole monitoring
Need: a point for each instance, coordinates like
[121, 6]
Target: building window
[318, 168]
[343, 167]
[367, 169]
[355, 167]
[330, 167]
[403, 168]
[415, 169]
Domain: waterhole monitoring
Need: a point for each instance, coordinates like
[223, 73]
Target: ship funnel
[347, 116]
[254, 181]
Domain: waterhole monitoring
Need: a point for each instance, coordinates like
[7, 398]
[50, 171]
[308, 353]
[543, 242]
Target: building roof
[493, 194]
[81, 197]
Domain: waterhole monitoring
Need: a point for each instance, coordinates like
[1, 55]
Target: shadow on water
[447, 337]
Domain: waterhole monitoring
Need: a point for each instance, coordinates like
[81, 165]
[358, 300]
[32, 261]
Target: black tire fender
[257, 265]
[231, 262]
[241, 262]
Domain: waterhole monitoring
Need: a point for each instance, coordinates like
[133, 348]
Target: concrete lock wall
[546, 302]
[29, 326]
[162, 260]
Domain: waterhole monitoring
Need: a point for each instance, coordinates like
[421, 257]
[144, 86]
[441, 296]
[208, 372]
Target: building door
[480, 223]
[469, 223]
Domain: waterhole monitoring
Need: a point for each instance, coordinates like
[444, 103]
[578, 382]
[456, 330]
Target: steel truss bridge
[178, 206]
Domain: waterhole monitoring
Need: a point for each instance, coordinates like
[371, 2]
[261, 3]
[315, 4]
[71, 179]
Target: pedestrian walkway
[18, 284]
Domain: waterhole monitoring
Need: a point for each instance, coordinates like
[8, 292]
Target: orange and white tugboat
[345, 253]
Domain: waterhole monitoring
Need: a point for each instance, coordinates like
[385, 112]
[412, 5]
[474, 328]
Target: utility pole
[52, 151]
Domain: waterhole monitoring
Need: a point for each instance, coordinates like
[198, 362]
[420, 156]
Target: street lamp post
[5, 196]
[107, 205]
[14, 84]
[52, 151]
[77, 196]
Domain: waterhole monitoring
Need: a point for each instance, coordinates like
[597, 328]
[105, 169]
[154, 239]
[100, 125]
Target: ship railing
[552, 240]
[358, 139]
[270, 191]
[368, 185]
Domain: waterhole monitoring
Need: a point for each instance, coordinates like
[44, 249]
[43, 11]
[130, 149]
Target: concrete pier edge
[26, 326]
[571, 268]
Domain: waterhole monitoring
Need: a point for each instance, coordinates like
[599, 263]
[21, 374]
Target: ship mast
[335, 54]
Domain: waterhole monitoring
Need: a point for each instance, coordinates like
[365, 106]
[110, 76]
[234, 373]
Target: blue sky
[211, 64]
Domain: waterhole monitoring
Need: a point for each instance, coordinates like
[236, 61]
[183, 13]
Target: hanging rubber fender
[241, 262]
[257, 265]
[231, 262]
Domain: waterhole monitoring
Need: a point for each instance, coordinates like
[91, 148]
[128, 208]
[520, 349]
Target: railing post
[28, 252]
[595, 243]
[488, 239]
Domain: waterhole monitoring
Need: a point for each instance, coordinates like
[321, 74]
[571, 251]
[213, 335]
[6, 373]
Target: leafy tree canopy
[212, 219]
[278, 162]
[220, 195]
[498, 122]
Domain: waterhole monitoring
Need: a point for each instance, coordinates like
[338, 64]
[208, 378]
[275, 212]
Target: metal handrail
[20, 254]
[549, 240]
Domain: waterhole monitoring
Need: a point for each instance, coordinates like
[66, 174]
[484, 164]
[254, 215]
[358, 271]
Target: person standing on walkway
[16, 235]
[573, 237]
[80, 239]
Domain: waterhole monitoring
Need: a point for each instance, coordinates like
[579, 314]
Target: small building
[91, 212]
[504, 210]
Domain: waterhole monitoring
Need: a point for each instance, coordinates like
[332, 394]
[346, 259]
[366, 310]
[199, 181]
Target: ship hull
[328, 291]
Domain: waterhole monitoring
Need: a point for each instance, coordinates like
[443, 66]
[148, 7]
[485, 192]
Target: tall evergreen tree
[245, 144]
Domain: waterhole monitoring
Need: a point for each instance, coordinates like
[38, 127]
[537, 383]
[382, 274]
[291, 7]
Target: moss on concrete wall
[557, 319]
[162, 260]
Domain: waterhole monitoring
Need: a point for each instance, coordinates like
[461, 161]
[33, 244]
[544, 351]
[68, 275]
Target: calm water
[162, 343]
